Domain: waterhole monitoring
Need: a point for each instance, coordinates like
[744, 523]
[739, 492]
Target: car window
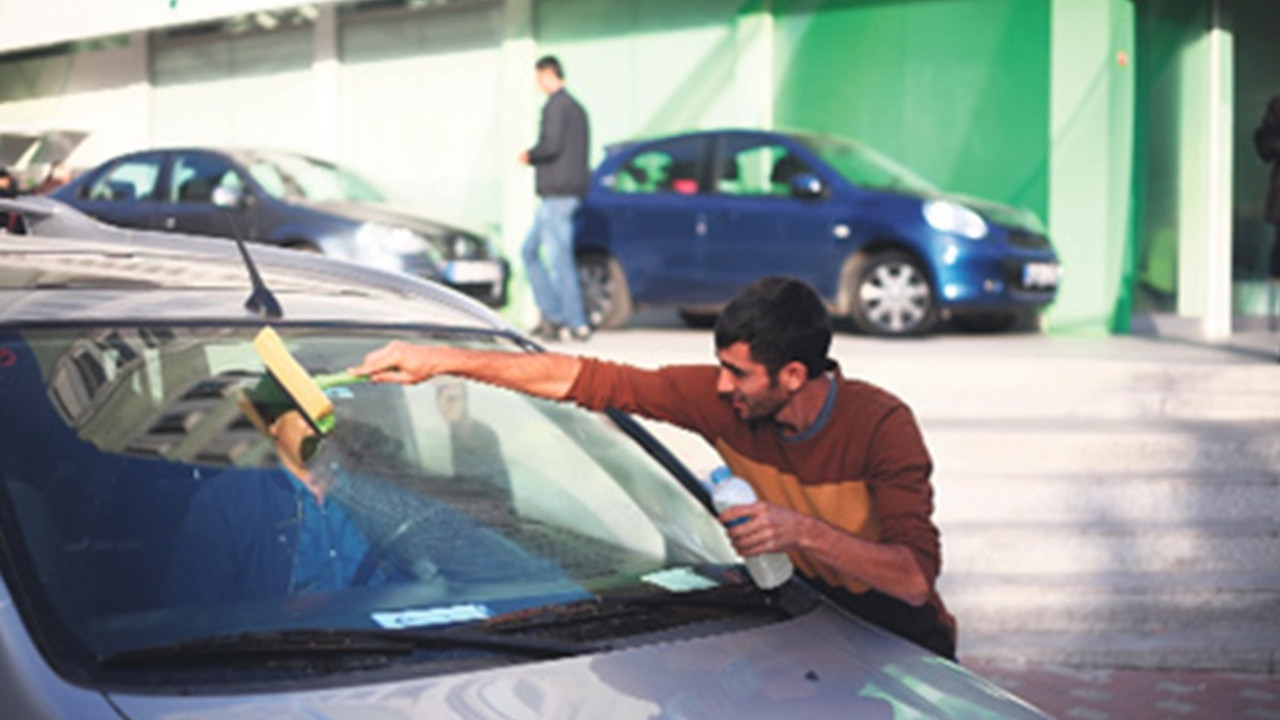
[864, 166]
[152, 508]
[673, 166]
[131, 179]
[196, 175]
[749, 167]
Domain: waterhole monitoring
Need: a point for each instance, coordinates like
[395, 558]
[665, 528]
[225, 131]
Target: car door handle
[170, 222]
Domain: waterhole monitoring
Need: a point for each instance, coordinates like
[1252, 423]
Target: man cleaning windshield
[840, 465]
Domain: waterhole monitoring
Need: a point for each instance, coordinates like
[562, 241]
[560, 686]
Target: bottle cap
[720, 474]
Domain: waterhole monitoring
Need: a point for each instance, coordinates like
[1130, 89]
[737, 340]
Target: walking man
[840, 465]
[561, 177]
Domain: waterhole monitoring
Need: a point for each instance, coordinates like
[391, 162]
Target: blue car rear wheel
[606, 297]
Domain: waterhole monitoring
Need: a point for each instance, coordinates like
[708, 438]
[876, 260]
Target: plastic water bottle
[768, 570]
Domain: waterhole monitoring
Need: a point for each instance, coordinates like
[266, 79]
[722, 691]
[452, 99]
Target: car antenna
[261, 301]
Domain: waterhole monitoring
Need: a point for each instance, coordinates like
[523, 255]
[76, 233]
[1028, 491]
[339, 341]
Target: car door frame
[142, 211]
[750, 236]
[201, 218]
[659, 238]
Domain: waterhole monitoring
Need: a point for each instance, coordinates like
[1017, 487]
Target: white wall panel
[420, 107]
[252, 90]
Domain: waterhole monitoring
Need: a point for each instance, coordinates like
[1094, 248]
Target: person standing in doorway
[1266, 140]
[561, 177]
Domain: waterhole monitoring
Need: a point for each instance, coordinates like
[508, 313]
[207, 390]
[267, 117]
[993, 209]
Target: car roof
[802, 136]
[73, 268]
[613, 148]
[240, 154]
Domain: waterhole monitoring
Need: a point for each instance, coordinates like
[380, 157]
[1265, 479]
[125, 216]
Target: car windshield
[147, 497]
[865, 167]
[297, 177]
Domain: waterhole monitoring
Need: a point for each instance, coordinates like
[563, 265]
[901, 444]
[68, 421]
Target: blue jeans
[555, 283]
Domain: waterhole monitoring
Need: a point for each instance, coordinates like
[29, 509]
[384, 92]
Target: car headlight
[949, 217]
[388, 247]
[465, 247]
[400, 240]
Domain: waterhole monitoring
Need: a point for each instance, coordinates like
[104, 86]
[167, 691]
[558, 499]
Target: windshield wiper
[786, 601]
[271, 645]
[620, 614]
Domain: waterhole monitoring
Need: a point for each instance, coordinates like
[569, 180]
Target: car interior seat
[121, 190]
[681, 178]
[196, 190]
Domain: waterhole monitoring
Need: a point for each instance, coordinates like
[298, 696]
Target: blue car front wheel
[891, 295]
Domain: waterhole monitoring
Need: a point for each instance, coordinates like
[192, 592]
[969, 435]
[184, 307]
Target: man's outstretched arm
[547, 375]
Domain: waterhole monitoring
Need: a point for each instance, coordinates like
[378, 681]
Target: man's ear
[793, 376]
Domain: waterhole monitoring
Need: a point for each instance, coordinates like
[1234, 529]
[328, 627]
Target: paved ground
[1069, 694]
[1062, 692]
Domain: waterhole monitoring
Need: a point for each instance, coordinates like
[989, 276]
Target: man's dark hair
[782, 320]
[552, 63]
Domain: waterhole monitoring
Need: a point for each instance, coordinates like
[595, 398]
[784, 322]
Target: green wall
[955, 89]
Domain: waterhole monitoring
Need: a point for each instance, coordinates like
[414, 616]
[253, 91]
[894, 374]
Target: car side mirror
[807, 185]
[230, 198]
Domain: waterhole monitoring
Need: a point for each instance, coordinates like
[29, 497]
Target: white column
[1218, 312]
[324, 78]
[1204, 245]
[518, 129]
[754, 77]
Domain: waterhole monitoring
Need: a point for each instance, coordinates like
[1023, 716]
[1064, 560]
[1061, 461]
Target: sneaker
[546, 330]
[581, 334]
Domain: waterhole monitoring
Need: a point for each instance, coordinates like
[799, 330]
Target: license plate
[472, 272]
[1041, 275]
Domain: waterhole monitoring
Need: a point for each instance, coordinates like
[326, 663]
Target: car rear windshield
[148, 499]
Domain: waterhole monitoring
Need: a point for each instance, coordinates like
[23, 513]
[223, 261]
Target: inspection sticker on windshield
[435, 616]
[681, 579]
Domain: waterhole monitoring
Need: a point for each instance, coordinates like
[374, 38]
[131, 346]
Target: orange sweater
[862, 467]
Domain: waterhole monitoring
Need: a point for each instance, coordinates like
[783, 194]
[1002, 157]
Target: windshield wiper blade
[786, 601]
[249, 646]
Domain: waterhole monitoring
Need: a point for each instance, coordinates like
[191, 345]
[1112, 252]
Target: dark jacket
[560, 157]
[1266, 140]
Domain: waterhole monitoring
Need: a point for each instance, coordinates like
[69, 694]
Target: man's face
[451, 399]
[547, 80]
[747, 384]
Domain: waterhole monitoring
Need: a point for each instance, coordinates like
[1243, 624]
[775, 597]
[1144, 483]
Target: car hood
[395, 216]
[1001, 214]
[822, 665]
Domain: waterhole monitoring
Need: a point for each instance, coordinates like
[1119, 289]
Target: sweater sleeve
[899, 469]
[681, 395]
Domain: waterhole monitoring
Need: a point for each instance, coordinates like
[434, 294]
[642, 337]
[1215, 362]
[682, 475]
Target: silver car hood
[822, 665]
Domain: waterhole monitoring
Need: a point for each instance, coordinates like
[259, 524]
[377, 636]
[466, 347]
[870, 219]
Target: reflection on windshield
[863, 166]
[154, 510]
[286, 176]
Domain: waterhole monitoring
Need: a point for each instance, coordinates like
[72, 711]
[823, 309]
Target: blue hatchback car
[688, 220]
